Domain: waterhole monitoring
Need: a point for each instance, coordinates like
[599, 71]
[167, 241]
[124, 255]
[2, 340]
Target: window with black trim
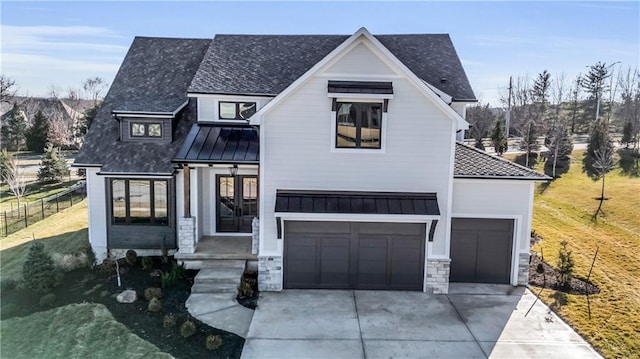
[358, 125]
[136, 201]
[236, 110]
[146, 129]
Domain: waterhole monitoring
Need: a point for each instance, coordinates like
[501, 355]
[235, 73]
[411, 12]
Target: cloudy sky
[59, 44]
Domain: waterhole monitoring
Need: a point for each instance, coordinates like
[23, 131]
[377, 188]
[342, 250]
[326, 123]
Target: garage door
[350, 255]
[481, 250]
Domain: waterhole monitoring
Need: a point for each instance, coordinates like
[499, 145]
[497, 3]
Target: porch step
[222, 276]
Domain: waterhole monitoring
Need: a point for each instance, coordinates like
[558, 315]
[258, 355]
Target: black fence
[14, 220]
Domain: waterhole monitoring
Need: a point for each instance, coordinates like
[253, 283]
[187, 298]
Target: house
[338, 157]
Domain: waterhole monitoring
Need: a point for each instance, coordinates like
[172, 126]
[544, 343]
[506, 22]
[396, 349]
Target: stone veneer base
[270, 273]
[438, 276]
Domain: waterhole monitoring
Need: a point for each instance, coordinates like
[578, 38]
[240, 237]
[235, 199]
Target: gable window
[236, 110]
[146, 129]
[358, 125]
[139, 202]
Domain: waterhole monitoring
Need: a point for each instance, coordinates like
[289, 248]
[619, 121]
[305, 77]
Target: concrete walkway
[472, 322]
[221, 311]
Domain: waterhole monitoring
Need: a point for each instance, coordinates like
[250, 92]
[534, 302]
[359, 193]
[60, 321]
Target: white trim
[229, 97]
[517, 229]
[501, 179]
[385, 55]
[446, 98]
[123, 175]
[229, 234]
[343, 96]
[353, 217]
[349, 77]
[447, 224]
[261, 191]
[141, 115]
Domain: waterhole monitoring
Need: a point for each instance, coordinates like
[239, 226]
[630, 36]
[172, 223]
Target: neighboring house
[344, 147]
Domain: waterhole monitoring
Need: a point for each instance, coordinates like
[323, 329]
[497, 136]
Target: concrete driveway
[467, 323]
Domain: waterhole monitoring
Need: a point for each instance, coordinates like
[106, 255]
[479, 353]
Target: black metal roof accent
[407, 203]
[220, 144]
[471, 162]
[369, 87]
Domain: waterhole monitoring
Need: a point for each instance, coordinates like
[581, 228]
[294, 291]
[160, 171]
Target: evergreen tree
[560, 146]
[83, 124]
[627, 134]
[13, 129]
[38, 271]
[594, 84]
[599, 142]
[499, 138]
[539, 95]
[37, 133]
[529, 142]
[53, 167]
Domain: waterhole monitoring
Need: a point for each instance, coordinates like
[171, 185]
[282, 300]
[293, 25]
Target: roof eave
[489, 177]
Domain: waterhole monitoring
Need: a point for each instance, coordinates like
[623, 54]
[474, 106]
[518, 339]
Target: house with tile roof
[326, 161]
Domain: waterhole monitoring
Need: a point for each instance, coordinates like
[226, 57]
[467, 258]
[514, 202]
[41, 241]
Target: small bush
[70, 262]
[48, 300]
[540, 268]
[151, 293]
[213, 342]
[38, 271]
[245, 289]
[169, 321]
[155, 305]
[108, 266]
[187, 329]
[565, 265]
[169, 279]
[8, 284]
[131, 257]
[147, 263]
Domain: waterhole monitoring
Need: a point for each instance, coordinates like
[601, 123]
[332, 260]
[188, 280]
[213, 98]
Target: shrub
[169, 279]
[169, 321]
[47, 300]
[8, 284]
[38, 271]
[131, 257]
[565, 265]
[213, 342]
[147, 263]
[155, 305]
[151, 293]
[108, 266]
[540, 268]
[9, 310]
[245, 289]
[187, 329]
[70, 262]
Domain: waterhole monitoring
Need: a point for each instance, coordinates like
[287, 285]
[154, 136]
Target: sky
[47, 45]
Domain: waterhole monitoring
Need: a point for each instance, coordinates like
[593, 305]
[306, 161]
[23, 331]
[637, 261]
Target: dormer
[145, 125]
[228, 109]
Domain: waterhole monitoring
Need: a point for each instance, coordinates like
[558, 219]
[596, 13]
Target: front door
[237, 203]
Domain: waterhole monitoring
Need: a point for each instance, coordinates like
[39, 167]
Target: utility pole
[508, 116]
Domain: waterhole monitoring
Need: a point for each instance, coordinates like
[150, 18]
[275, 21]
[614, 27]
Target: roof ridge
[511, 163]
[171, 38]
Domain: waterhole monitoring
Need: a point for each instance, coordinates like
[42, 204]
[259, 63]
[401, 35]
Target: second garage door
[481, 250]
[354, 255]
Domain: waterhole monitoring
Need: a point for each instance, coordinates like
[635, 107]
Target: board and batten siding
[483, 198]
[297, 138]
[97, 207]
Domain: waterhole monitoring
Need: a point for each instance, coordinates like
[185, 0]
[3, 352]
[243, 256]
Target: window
[358, 125]
[236, 110]
[139, 201]
[145, 129]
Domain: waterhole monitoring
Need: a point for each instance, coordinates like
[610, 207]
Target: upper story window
[136, 201]
[145, 129]
[236, 110]
[358, 125]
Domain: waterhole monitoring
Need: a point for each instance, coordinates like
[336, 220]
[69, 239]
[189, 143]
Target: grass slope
[563, 212]
[64, 232]
[73, 331]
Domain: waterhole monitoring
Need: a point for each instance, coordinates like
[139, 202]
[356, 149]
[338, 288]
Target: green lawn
[563, 212]
[73, 331]
[34, 192]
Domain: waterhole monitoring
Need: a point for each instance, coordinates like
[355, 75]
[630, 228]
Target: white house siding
[298, 153]
[481, 198]
[97, 207]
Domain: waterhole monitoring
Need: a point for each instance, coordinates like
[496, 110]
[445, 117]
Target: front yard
[563, 212]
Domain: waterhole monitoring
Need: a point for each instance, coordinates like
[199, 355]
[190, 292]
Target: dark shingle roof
[220, 144]
[154, 77]
[267, 64]
[471, 162]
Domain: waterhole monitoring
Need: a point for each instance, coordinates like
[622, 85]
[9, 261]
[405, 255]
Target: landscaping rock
[128, 296]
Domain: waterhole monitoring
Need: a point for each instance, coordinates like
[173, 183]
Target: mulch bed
[97, 286]
[548, 279]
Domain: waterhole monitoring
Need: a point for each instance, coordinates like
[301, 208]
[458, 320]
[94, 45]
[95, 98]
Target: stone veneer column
[523, 269]
[255, 235]
[438, 276]
[270, 273]
[187, 235]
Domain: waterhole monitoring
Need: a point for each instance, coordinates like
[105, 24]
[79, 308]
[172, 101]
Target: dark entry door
[237, 203]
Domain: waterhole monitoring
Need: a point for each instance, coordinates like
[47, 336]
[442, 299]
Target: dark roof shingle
[471, 162]
[267, 64]
[154, 77]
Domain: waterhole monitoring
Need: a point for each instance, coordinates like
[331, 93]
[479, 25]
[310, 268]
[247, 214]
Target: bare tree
[93, 87]
[480, 119]
[7, 88]
[13, 176]
[603, 163]
[557, 139]
[629, 112]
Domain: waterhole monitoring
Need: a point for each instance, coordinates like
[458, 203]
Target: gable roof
[154, 77]
[268, 64]
[471, 162]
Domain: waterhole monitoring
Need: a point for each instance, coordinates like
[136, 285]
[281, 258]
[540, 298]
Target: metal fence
[14, 220]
